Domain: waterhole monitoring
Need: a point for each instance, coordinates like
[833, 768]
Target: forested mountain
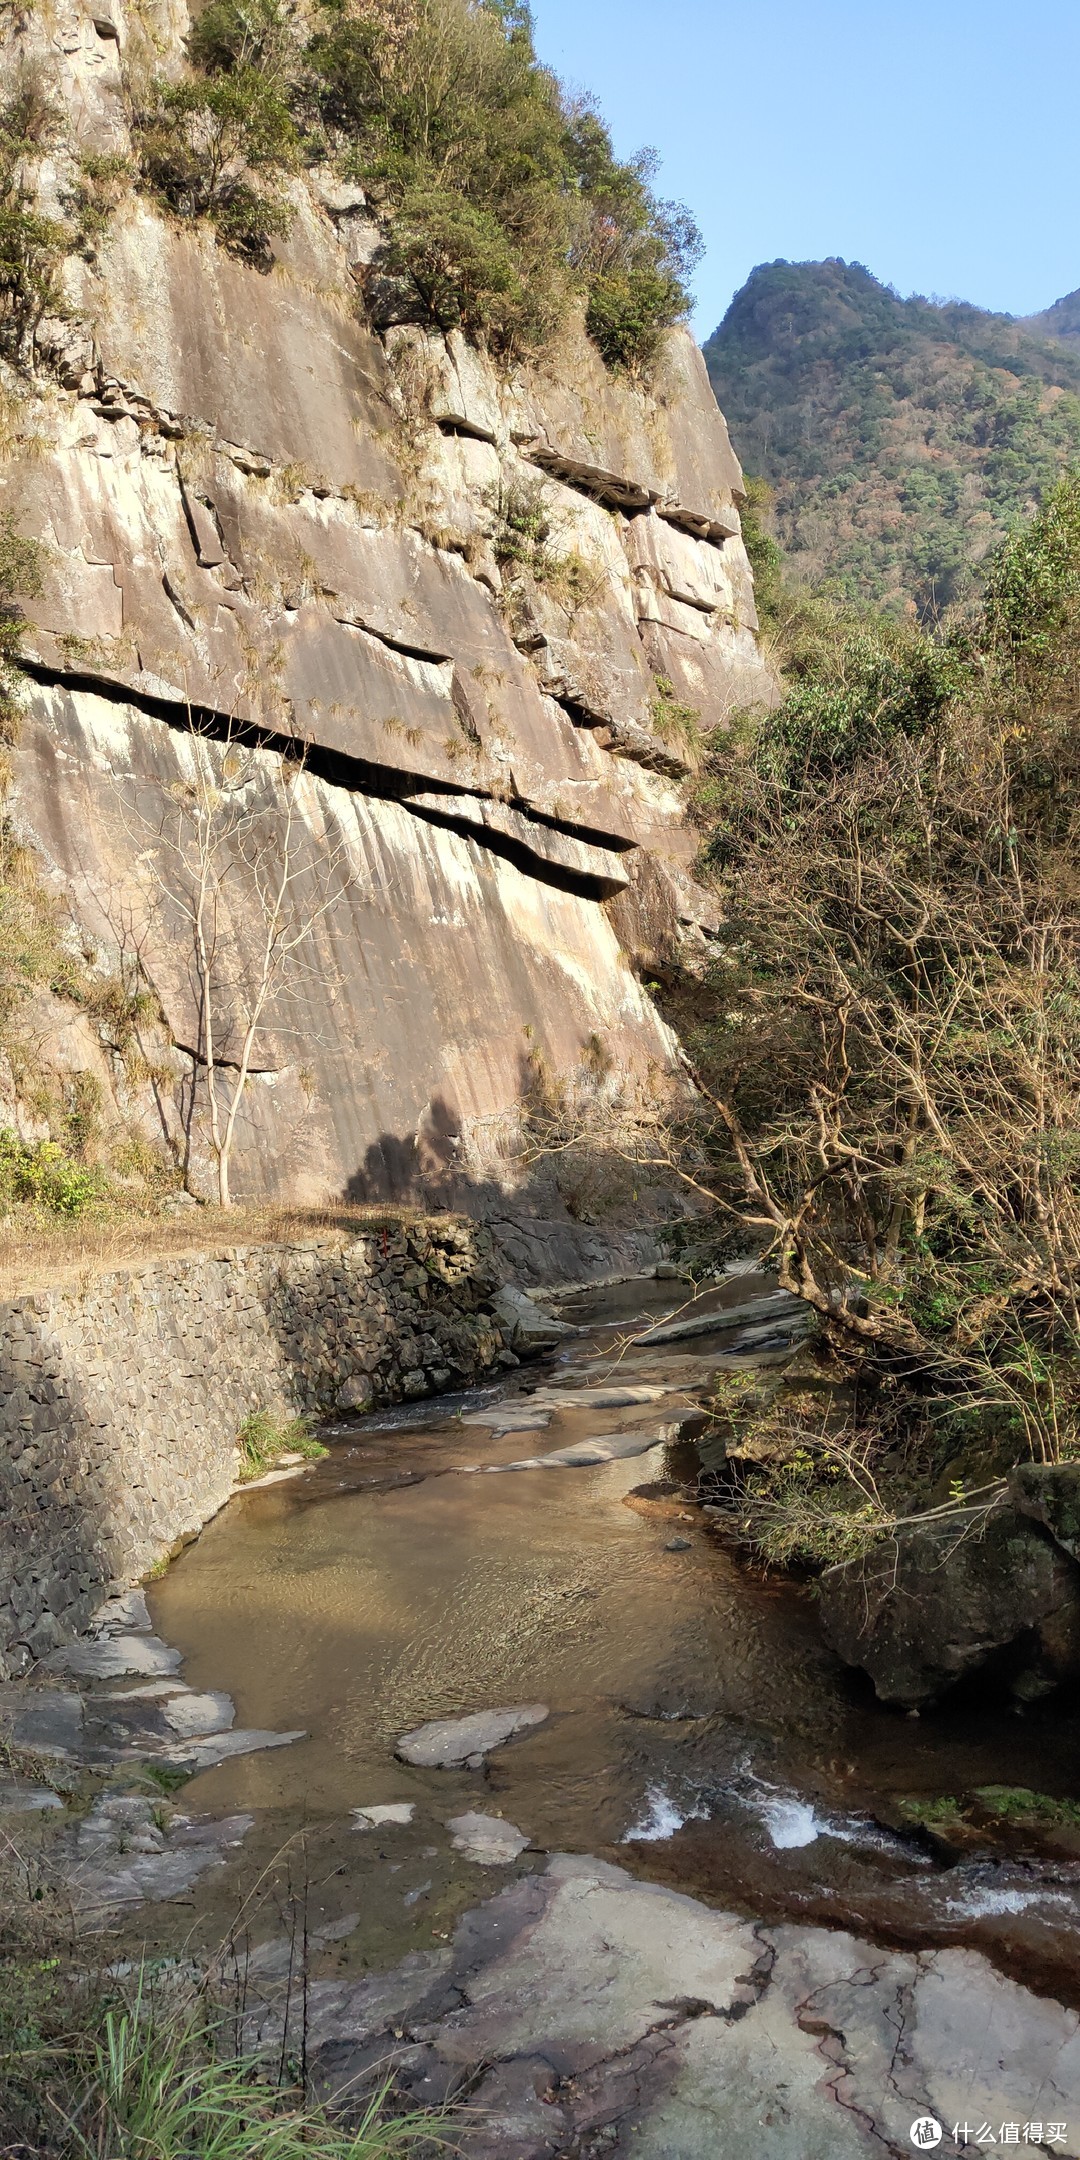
[1060, 321]
[902, 438]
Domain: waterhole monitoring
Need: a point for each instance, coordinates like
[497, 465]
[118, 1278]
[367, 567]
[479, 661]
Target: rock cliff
[472, 599]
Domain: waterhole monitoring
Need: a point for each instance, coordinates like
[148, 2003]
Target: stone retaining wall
[120, 1403]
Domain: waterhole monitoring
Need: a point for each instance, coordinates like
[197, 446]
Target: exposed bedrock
[258, 514]
[580, 2011]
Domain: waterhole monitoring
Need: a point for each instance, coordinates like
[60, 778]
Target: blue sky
[936, 143]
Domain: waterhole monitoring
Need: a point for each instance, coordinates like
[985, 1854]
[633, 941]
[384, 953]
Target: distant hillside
[902, 438]
[1060, 321]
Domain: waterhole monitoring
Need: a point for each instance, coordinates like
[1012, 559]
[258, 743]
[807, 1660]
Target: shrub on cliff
[503, 200]
[39, 1174]
[215, 148]
[20, 578]
[451, 263]
[634, 253]
[891, 1051]
[32, 247]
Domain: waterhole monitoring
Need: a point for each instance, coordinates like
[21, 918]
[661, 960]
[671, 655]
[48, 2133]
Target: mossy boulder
[942, 1599]
[1049, 1493]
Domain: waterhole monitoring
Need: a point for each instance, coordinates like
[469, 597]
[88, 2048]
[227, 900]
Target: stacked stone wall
[120, 1402]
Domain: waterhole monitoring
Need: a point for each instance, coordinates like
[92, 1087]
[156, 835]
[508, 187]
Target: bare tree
[238, 858]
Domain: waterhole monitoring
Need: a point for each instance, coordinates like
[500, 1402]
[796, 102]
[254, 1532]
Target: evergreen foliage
[763, 551]
[20, 574]
[31, 247]
[205, 146]
[501, 200]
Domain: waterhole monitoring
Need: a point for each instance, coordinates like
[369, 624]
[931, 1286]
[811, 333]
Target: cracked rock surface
[582, 2012]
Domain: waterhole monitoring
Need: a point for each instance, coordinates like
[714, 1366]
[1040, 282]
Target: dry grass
[36, 1254]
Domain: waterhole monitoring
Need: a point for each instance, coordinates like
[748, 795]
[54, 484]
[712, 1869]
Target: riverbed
[699, 1732]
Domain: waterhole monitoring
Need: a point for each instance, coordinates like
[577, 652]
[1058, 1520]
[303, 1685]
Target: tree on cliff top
[500, 197]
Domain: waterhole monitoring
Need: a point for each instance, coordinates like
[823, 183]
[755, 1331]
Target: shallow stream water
[700, 1732]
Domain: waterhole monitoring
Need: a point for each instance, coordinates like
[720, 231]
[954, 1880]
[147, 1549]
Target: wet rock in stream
[109, 1657]
[127, 1849]
[449, 1743]
[601, 1448]
[398, 1812]
[486, 1839]
[125, 1852]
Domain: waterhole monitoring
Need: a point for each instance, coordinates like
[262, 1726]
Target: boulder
[356, 1393]
[1049, 1493]
[942, 1598]
[528, 1326]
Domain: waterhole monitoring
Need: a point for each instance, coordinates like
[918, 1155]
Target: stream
[700, 1733]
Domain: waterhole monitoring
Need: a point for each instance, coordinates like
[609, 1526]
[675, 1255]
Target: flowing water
[699, 1733]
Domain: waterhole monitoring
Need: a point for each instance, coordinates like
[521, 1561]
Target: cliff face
[453, 588]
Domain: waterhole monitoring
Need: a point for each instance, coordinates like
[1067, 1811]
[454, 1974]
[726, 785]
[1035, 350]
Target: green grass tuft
[264, 1436]
[1017, 1804]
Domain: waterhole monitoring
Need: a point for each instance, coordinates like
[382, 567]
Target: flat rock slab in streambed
[586, 1454]
[594, 2000]
[48, 1721]
[510, 1417]
[386, 1814]
[219, 1747]
[165, 1708]
[486, 1839]
[447, 1743]
[278, 1476]
[107, 1657]
[150, 1716]
[20, 1798]
[123, 1856]
[779, 1306]
[124, 1614]
[161, 1722]
[537, 1411]
[191, 1716]
[602, 1398]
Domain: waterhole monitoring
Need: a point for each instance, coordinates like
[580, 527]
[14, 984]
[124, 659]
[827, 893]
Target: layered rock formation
[261, 515]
